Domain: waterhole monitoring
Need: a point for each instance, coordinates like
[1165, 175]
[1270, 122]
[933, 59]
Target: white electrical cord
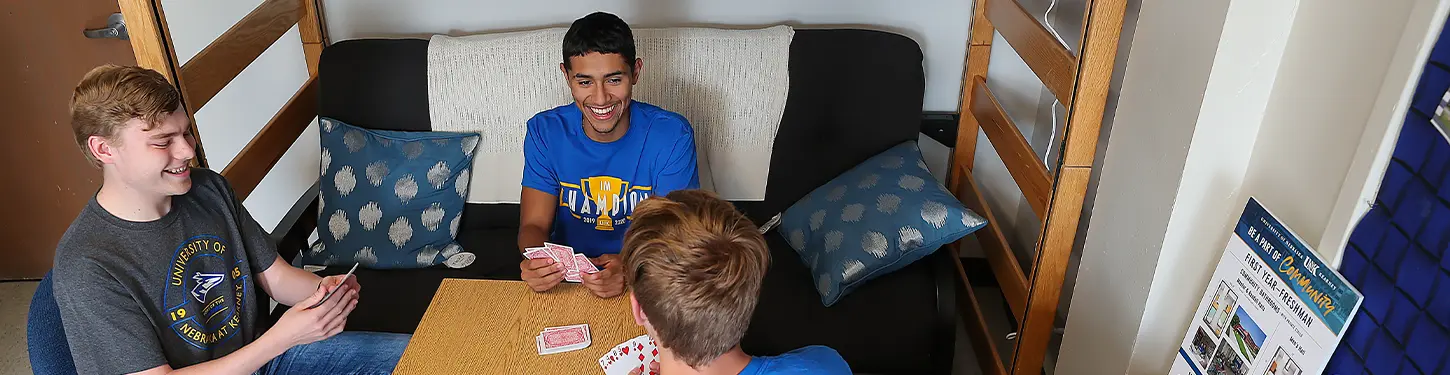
[1053, 111]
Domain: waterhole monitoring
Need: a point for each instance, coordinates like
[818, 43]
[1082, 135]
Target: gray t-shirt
[178, 290]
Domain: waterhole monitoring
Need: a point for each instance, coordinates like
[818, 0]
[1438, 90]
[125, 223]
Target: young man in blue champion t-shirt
[587, 163]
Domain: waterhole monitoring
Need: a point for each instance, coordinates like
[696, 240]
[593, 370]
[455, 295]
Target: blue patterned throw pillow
[876, 218]
[391, 199]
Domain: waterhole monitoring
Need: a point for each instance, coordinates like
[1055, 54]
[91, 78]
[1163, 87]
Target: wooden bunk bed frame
[1078, 81]
[201, 78]
[1081, 83]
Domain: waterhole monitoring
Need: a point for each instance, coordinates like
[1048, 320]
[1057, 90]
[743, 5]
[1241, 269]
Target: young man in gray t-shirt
[159, 273]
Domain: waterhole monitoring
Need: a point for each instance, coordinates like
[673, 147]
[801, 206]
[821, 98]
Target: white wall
[1251, 49]
[1371, 156]
[1166, 74]
[235, 114]
[1305, 151]
[1269, 124]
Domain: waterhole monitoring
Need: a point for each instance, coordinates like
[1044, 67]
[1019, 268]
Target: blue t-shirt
[598, 184]
[814, 359]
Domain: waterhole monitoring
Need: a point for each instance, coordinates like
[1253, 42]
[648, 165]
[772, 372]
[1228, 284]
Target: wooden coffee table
[488, 327]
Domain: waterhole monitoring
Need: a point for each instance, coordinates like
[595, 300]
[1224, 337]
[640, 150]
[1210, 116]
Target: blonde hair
[110, 95]
[695, 265]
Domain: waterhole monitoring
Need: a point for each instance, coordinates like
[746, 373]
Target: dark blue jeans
[346, 353]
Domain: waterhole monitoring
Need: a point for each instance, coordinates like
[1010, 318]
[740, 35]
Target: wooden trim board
[1054, 65]
[979, 55]
[151, 43]
[1094, 78]
[220, 62]
[1016, 154]
[1049, 270]
[313, 30]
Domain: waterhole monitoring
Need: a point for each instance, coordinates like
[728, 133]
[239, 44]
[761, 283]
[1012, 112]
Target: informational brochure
[1274, 307]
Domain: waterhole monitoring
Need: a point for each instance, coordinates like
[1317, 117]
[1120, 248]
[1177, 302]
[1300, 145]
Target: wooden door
[44, 179]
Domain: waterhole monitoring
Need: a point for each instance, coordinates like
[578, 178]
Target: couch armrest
[944, 277]
[292, 232]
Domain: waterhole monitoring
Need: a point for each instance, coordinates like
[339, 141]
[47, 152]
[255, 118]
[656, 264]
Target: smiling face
[151, 162]
[602, 85]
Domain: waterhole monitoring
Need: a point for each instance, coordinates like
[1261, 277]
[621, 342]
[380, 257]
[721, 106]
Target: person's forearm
[531, 235]
[295, 286]
[243, 361]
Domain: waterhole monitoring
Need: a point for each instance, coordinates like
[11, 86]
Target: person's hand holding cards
[609, 281]
[336, 283]
[546, 266]
[541, 272]
[321, 315]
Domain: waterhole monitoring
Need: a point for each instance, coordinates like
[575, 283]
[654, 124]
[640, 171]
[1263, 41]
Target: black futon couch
[853, 94]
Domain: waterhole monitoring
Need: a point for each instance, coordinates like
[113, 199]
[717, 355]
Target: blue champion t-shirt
[598, 184]
[814, 359]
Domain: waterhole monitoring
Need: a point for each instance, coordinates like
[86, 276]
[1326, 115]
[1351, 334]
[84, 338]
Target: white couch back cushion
[730, 84]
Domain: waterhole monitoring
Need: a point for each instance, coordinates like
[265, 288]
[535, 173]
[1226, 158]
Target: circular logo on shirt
[205, 292]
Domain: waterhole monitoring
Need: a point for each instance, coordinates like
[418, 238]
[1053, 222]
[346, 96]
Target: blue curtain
[1397, 256]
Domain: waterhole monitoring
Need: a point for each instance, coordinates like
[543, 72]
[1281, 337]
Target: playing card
[545, 350]
[562, 254]
[583, 264]
[584, 326]
[334, 291]
[562, 339]
[538, 253]
[637, 353]
[620, 361]
[648, 352]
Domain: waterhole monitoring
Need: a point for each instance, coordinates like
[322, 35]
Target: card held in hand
[538, 253]
[635, 354]
[334, 290]
[562, 254]
[583, 264]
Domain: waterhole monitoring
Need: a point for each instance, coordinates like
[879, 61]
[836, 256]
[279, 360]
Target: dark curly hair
[602, 33]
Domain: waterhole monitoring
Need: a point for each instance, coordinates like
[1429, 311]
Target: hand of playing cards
[632, 355]
[574, 263]
[562, 339]
[334, 290]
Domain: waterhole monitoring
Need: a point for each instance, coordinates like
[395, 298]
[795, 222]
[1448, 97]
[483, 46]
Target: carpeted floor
[14, 303]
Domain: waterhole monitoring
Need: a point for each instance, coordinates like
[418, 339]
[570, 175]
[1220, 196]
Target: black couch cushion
[868, 327]
[375, 84]
[853, 94]
[844, 107]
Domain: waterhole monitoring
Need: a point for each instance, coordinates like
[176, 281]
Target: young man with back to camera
[694, 266]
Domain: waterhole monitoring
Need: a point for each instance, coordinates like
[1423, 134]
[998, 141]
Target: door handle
[115, 28]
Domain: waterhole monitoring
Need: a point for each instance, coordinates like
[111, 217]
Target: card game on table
[566, 330]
